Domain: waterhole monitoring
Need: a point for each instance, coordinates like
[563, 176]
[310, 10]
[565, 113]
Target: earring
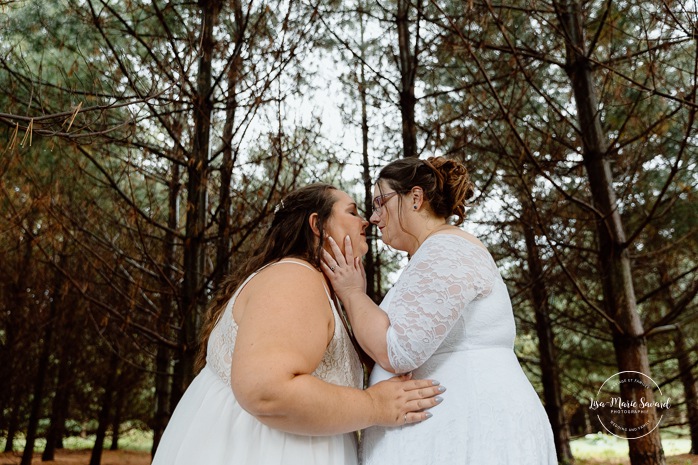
[414, 207]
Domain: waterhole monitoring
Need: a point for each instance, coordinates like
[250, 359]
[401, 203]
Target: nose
[374, 218]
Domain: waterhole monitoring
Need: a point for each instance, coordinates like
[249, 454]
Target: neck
[429, 230]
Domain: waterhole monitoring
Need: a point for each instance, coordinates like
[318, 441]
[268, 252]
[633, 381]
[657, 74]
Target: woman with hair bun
[281, 383]
[449, 317]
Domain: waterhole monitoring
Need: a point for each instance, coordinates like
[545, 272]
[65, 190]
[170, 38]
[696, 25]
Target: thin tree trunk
[369, 261]
[619, 295]
[59, 408]
[163, 379]
[7, 356]
[44, 357]
[224, 246]
[550, 372]
[197, 171]
[12, 424]
[18, 295]
[683, 357]
[689, 387]
[103, 419]
[162, 395]
[408, 72]
[118, 414]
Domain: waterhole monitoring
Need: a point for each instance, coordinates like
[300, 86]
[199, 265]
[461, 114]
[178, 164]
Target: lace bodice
[436, 301]
[451, 320]
[340, 364]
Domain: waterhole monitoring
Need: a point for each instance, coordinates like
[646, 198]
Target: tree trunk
[550, 372]
[103, 419]
[197, 171]
[8, 366]
[162, 395]
[408, 72]
[7, 356]
[683, 357]
[44, 358]
[689, 387]
[59, 409]
[12, 424]
[224, 246]
[116, 419]
[369, 261]
[163, 408]
[619, 295]
[18, 297]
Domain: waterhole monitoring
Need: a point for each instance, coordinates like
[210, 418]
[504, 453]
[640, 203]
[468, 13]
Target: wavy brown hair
[446, 183]
[289, 235]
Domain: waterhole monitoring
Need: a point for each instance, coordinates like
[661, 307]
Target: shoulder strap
[327, 292]
[337, 307]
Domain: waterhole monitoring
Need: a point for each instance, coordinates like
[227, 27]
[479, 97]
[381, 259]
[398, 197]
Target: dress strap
[327, 292]
[337, 310]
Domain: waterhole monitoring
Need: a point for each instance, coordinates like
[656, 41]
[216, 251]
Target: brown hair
[289, 235]
[446, 183]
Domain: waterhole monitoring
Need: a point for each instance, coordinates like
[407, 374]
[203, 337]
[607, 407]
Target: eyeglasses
[381, 200]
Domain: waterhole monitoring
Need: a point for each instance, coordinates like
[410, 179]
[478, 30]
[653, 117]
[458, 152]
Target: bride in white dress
[447, 317]
[281, 381]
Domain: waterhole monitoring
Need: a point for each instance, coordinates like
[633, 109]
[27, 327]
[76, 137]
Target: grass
[133, 440]
[610, 450]
[593, 449]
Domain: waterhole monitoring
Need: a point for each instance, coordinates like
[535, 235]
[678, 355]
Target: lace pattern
[444, 276]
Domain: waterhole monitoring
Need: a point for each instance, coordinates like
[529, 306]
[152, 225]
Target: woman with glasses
[281, 381]
[448, 316]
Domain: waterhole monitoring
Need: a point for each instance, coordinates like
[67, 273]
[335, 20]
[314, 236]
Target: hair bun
[456, 184]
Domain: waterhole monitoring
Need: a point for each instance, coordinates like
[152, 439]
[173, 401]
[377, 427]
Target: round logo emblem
[629, 419]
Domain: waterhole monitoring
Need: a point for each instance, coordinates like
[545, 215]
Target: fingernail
[429, 415]
[438, 399]
[434, 382]
[347, 238]
[441, 388]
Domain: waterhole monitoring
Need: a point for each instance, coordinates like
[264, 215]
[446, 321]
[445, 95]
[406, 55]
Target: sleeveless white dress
[209, 427]
[452, 321]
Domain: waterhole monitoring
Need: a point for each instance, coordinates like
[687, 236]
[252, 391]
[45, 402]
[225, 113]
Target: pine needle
[28, 133]
[13, 140]
[72, 117]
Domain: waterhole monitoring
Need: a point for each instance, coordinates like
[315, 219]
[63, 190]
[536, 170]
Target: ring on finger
[332, 268]
[405, 419]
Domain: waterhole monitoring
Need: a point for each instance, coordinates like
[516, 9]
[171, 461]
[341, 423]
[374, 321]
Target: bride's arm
[368, 321]
[427, 301]
[283, 333]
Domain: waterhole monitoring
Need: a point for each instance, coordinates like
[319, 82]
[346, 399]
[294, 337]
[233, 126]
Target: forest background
[144, 146]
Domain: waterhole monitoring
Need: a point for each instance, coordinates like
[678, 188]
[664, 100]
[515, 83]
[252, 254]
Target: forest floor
[81, 457]
[683, 459]
[125, 457]
[135, 445]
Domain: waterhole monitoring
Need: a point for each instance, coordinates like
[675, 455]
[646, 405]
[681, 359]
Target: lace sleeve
[444, 276]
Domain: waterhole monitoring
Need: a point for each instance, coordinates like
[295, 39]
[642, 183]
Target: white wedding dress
[452, 321]
[209, 427]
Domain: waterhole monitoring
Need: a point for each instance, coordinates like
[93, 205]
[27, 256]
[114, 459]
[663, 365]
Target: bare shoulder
[291, 272]
[290, 283]
[285, 323]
